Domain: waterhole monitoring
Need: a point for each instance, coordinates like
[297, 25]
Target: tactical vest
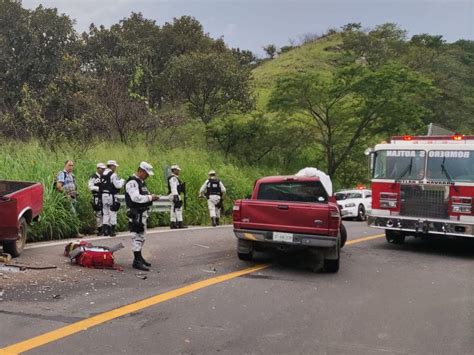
[180, 185]
[213, 187]
[107, 184]
[97, 182]
[142, 189]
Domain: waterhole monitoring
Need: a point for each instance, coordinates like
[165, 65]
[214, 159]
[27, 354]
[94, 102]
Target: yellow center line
[85, 324]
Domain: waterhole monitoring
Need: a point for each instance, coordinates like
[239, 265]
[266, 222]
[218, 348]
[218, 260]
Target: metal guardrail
[161, 205]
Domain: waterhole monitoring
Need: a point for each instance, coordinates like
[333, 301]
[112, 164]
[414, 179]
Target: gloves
[175, 199]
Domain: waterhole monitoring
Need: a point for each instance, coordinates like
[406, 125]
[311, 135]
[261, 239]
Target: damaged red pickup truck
[20, 204]
[288, 213]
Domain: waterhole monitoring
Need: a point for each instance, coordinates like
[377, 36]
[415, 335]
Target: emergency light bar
[433, 139]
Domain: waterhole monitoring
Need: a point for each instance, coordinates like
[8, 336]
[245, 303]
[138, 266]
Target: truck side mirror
[370, 153]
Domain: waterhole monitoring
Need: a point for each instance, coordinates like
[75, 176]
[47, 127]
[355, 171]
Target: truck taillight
[461, 205]
[236, 213]
[388, 200]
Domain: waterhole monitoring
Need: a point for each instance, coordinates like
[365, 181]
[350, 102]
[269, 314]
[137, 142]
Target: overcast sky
[251, 24]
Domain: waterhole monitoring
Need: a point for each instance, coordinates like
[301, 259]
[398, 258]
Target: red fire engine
[423, 186]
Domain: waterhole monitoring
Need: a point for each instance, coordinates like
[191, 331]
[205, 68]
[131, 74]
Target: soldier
[95, 187]
[213, 189]
[111, 185]
[138, 199]
[175, 188]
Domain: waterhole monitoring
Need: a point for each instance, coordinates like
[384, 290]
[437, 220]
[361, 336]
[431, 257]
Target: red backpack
[96, 258]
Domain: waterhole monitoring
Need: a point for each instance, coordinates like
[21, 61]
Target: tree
[210, 84]
[271, 50]
[352, 104]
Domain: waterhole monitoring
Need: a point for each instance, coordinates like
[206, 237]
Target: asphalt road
[417, 298]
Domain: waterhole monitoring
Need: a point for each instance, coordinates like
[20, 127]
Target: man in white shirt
[138, 199]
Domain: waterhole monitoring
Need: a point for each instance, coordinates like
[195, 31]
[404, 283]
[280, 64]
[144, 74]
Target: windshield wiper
[407, 169]
[445, 171]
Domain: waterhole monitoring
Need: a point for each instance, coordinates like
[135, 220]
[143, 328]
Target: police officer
[213, 189]
[138, 199]
[95, 187]
[175, 188]
[111, 185]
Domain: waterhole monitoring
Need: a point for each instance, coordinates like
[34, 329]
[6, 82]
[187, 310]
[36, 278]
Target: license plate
[283, 237]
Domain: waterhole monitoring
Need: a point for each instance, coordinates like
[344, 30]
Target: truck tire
[361, 213]
[394, 237]
[15, 247]
[244, 250]
[343, 235]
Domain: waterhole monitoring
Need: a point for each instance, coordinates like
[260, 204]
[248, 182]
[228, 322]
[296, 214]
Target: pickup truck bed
[20, 204]
[289, 212]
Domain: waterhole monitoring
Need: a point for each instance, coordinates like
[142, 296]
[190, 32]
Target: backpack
[96, 257]
[55, 181]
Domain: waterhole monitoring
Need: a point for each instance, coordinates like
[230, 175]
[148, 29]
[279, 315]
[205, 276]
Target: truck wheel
[361, 214]
[244, 249]
[394, 237]
[14, 248]
[343, 235]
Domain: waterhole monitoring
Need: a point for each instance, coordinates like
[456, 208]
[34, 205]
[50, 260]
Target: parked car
[287, 213]
[354, 203]
[20, 204]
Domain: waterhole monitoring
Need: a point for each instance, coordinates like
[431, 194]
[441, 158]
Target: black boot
[146, 263]
[213, 220]
[173, 225]
[181, 225]
[217, 221]
[112, 231]
[106, 230]
[100, 231]
[138, 263]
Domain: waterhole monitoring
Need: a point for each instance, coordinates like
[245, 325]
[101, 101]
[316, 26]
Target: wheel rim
[361, 212]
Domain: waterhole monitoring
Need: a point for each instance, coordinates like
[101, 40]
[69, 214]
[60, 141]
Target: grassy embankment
[31, 162]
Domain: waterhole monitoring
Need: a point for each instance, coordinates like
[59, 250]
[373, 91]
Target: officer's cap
[112, 162]
[175, 167]
[147, 167]
[212, 172]
[101, 166]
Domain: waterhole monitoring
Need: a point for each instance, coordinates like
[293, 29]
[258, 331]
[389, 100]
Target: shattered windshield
[399, 164]
[450, 165]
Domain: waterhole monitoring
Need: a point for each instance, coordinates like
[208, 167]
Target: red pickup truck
[20, 204]
[289, 212]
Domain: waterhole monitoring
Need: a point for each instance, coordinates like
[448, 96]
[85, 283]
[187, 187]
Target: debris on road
[5, 257]
[141, 276]
[202, 246]
[211, 271]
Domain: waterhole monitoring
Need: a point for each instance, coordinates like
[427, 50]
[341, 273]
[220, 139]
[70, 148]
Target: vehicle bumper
[349, 212]
[299, 240]
[461, 228]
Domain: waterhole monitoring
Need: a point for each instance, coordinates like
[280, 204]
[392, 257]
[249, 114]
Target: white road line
[120, 235]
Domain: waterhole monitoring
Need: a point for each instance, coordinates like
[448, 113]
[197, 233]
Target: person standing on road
[111, 185]
[138, 199]
[66, 183]
[213, 189]
[95, 187]
[175, 188]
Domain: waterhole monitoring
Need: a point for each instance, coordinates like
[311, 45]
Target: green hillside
[315, 56]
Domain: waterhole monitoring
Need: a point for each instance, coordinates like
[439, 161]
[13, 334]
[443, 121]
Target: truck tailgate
[305, 218]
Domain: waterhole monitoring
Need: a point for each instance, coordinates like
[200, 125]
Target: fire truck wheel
[394, 237]
[361, 215]
[14, 248]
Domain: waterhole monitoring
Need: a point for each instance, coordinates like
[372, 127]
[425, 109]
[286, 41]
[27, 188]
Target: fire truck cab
[423, 186]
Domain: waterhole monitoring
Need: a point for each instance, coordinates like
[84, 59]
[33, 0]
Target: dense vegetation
[173, 94]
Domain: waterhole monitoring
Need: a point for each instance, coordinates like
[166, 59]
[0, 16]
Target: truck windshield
[300, 191]
[450, 165]
[399, 164]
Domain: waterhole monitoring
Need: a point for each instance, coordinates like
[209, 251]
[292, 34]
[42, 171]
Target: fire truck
[423, 186]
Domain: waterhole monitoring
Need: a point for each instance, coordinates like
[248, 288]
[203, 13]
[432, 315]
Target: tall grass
[31, 162]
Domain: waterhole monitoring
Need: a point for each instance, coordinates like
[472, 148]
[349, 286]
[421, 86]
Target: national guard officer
[213, 189]
[111, 185]
[95, 187]
[175, 188]
[138, 199]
